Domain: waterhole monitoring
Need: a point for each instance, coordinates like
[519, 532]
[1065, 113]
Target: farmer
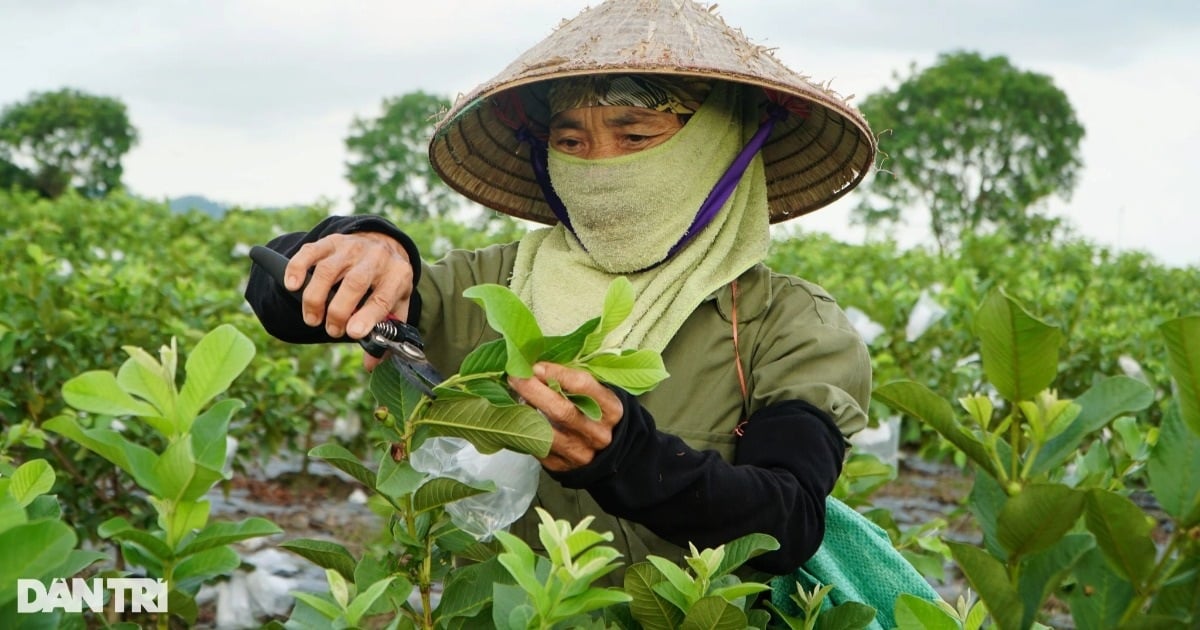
[658, 144]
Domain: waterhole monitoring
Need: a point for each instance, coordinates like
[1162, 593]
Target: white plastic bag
[924, 315]
[515, 475]
[868, 329]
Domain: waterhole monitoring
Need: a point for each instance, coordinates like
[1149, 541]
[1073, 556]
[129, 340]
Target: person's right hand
[363, 262]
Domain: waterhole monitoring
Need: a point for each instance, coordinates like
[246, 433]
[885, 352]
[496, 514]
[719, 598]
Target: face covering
[628, 211]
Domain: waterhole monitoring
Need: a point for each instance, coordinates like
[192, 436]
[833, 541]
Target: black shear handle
[275, 264]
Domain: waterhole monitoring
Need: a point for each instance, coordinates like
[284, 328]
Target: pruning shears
[407, 350]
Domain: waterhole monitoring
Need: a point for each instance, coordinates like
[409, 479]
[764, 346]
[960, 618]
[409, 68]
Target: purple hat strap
[537, 159]
[729, 181]
[716, 199]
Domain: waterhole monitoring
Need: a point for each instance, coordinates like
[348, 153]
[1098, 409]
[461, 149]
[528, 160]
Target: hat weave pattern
[814, 156]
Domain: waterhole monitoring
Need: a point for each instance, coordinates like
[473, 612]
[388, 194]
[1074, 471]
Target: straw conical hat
[811, 158]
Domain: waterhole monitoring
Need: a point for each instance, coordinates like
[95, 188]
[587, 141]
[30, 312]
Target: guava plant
[35, 543]
[1057, 521]
[185, 549]
[507, 586]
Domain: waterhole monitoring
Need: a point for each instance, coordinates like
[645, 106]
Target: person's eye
[639, 141]
[567, 145]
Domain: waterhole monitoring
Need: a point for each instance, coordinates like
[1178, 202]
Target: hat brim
[811, 158]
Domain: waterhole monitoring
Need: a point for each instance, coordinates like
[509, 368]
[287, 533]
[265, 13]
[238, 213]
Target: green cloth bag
[857, 558]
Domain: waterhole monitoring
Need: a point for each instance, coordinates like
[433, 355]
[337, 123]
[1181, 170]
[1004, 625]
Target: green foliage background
[85, 276]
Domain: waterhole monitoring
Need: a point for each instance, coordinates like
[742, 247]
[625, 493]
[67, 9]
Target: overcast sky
[249, 101]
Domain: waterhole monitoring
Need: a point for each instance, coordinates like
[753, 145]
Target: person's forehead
[610, 116]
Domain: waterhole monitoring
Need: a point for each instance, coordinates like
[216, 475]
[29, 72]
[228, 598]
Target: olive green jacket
[795, 344]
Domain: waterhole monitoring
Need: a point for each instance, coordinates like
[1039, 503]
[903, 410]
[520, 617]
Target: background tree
[66, 139]
[389, 164]
[976, 141]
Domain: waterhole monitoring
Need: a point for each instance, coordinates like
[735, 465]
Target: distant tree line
[973, 142]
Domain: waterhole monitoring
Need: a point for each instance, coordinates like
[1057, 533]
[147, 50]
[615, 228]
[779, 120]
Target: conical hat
[814, 156]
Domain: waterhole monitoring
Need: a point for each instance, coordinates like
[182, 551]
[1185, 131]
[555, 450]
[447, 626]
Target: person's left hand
[577, 438]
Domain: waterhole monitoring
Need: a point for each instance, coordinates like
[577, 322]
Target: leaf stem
[1015, 435]
[1157, 575]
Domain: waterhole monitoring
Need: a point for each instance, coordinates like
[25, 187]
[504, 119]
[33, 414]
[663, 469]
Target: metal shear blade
[410, 361]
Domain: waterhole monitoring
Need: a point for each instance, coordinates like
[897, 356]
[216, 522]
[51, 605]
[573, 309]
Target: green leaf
[1180, 594]
[30, 480]
[45, 506]
[489, 428]
[188, 516]
[491, 391]
[212, 366]
[650, 609]
[142, 376]
[847, 616]
[563, 349]
[77, 560]
[1020, 352]
[181, 605]
[11, 514]
[224, 533]
[714, 613]
[1122, 532]
[396, 479]
[618, 304]
[29, 549]
[520, 562]
[1037, 518]
[918, 401]
[468, 589]
[364, 600]
[986, 500]
[327, 555]
[683, 583]
[914, 612]
[118, 528]
[736, 591]
[337, 456]
[442, 490]
[739, 550]
[989, 578]
[175, 469]
[209, 432]
[99, 392]
[1042, 573]
[636, 372]
[1174, 470]
[489, 358]
[338, 587]
[1183, 360]
[1100, 596]
[1106, 400]
[394, 391]
[509, 316]
[136, 556]
[589, 600]
[586, 405]
[510, 608]
[134, 459]
[327, 608]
